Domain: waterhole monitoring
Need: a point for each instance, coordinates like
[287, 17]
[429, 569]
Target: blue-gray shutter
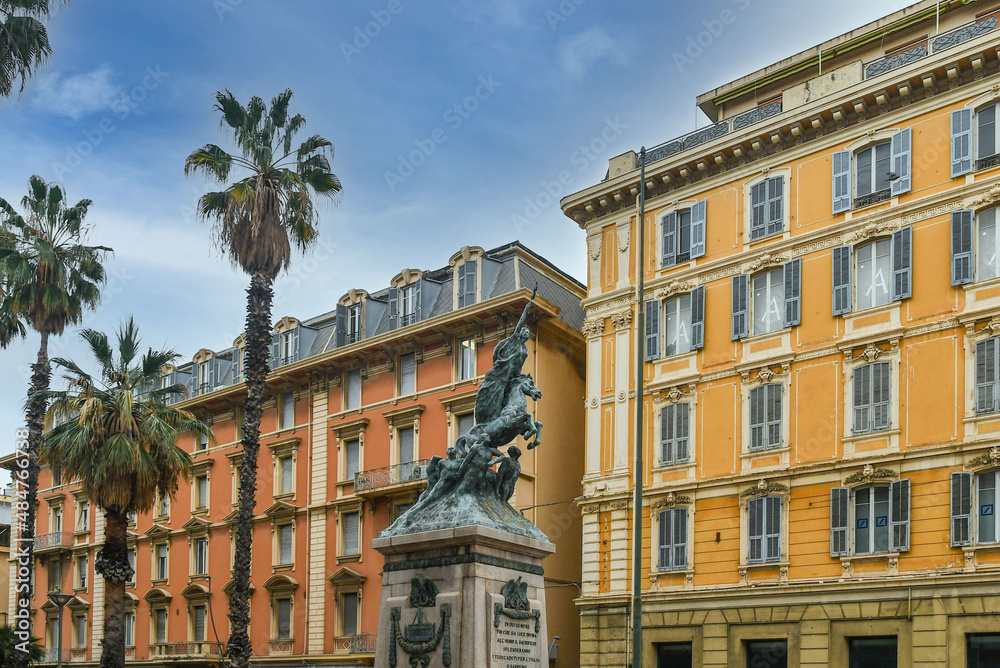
[340, 339]
[902, 264]
[680, 538]
[699, 216]
[417, 299]
[961, 508]
[666, 544]
[467, 284]
[668, 424]
[841, 181]
[986, 376]
[698, 318]
[741, 287]
[840, 522]
[793, 292]
[862, 399]
[682, 432]
[841, 280]
[669, 231]
[961, 247]
[275, 351]
[881, 395]
[772, 528]
[899, 515]
[652, 318]
[901, 150]
[775, 205]
[755, 531]
[758, 210]
[393, 308]
[961, 142]
[758, 418]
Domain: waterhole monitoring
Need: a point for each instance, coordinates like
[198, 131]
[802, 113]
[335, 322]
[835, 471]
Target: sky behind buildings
[458, 123]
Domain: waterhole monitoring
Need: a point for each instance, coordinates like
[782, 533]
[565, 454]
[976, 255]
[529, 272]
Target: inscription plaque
[515, 643]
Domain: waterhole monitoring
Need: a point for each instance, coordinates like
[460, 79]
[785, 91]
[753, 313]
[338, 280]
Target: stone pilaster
[318, 474]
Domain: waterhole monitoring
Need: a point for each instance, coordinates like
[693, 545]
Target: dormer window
[290, 346]
[467, 283]
[409, 296]
[354, 323]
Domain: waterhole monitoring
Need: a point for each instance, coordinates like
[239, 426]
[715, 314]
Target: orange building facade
[361, 398]
[822, 312]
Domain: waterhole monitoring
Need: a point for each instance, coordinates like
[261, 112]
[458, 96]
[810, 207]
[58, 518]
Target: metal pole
[640, 357]
[59, 644]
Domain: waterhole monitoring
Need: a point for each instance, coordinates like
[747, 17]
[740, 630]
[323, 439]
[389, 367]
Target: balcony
[52, 542]
[361, 643]
[374, 482]
[51, 655]
[185, 649]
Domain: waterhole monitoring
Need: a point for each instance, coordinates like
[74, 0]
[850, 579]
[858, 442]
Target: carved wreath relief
[421, 637]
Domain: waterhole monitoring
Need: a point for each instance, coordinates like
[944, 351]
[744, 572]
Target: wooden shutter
[741, 286]
[773, 437]
[841, 181]
[899, 515]
[961, 508]
[286, 475]
[285, 544]
[406, 445]
[793, 292]
[881, 393]
[862, 399]
[352, 523]
[772, 528]
[340, 338]
[698, 318]
[841, 280]
[682, 430]
[758, 210]
[840, 522]
[961, 247]
[666, 544]
[680, 538]
[471, 273]
[900, 148]
[699, 215]
[418, 310]
[275, 351]
[961, 142]
[986, 376]
[775, 205]
[393, 308]
[902, 264]
[652, 329]
[669, 224]
[758, 420]
[755, 530]
[667, 435]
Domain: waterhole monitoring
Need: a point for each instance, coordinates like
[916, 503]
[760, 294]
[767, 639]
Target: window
[352, 458]
[131, 563]
[977, 509]
[287, 417]
[872, 652]
[161, 561]
[354, 323]
[201, 492]
[467, 283]
[674, 434]
[673, 539]
[768, 301]
[283, 614]
[466, 359]
[767, 653]
[874, 165]
[765, 417]
[160, 626]
[879, 515]
[767, 208]
[80, 631]
[290, 346]
[202, 442]
[351, 531]
[349, 614]
[465, 423]
[163, 505]
[874, 269]
[982, 650]
[683, 234]
[54, 569]
[407, 374]
[987, 376]
[285, 474]
[198, 623]
[677, 321]
[56, 476]
[986, 135]
[974, 259]
[57, 520]
[238, 420]
[83, 517]
[82, 566]
[674, 655]
[405, 445]
[238, 366]
[881, 272]
[130, 629]
[772, 298]
[408, 296]
[764, 529]
[201, 556]
[872, 388]
[684, 323]
[353, 389]
[206, 376]
[880, 170]
[285, 545]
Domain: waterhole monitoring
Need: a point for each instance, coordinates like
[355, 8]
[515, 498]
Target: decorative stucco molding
[870, 474]
[763, 488]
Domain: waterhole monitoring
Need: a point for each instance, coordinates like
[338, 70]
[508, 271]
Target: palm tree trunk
[40, 374]
[112, 563]
[258, 332]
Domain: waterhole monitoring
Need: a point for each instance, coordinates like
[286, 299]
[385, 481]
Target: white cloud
[579, 53]
[75, 96]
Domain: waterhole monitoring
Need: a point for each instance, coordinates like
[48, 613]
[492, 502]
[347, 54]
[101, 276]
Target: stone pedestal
[469, 597]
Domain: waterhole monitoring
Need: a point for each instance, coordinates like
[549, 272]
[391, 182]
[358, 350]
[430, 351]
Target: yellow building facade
[822, 393]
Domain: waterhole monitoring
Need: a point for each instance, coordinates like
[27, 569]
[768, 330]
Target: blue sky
[451, 121]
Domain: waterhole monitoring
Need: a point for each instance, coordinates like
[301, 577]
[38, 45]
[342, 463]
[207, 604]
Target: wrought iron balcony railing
[51, 655]
[361, 643]
[44, 541]
[390, 475]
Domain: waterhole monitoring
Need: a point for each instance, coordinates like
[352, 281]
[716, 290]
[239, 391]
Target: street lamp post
[60, 600]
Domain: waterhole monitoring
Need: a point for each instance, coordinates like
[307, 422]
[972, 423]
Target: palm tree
[24, 41]
[256, 220]
[119, 439]
[8, 647]
[48, 278]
